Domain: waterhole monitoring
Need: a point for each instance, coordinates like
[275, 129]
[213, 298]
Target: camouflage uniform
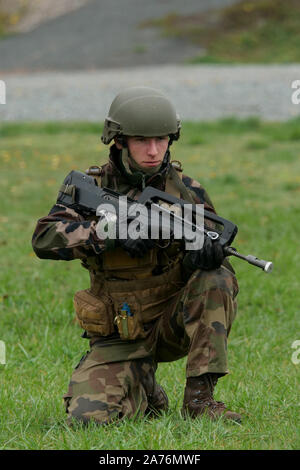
[116, 378]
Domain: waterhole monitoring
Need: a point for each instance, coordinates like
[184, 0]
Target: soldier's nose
[152, 148]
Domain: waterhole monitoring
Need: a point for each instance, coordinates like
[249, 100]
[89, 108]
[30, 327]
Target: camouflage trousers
[116, 379]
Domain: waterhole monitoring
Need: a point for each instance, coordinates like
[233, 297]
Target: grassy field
[251, 171]
[250, 31]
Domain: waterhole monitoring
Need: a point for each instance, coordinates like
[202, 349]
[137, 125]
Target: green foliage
[251, 171]
[51, 128]
[4, 21]
[9, 17]
[261, 31]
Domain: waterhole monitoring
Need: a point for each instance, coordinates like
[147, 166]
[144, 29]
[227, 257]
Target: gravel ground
[203, 92]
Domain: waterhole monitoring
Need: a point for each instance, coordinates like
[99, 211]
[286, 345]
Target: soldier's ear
[120, 142]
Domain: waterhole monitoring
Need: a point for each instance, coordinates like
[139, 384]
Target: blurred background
[66, 59]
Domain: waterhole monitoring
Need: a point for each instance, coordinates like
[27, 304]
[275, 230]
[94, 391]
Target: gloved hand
[136, 248]
[211, 256]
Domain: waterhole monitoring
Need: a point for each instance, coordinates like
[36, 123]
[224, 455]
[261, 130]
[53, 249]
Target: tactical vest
[125, 293]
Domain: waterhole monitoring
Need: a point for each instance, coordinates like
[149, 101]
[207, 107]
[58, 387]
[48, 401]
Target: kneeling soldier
[149, 302]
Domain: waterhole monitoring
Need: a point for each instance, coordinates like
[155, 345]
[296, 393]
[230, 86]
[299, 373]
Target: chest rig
[145, 285]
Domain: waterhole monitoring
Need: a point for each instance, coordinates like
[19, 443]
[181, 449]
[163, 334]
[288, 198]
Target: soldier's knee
[220, 278]
[84, 410]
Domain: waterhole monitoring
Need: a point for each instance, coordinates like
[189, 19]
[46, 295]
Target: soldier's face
[148, 152]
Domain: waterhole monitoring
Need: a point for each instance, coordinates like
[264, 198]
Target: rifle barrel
[266, 266]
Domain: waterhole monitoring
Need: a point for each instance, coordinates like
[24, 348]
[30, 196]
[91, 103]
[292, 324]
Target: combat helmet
[141, 111]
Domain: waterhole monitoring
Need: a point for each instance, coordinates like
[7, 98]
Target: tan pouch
[94, 313]
[117, 263]
[129, 323]
[149, 298]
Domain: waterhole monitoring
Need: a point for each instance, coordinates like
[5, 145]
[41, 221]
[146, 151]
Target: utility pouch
[94, 313]
[117, 263]
[129, 324]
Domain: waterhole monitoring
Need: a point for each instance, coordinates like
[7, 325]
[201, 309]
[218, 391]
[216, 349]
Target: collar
[120, 161]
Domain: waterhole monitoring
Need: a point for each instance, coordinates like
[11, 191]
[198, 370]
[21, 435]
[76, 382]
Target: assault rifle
[81, 193]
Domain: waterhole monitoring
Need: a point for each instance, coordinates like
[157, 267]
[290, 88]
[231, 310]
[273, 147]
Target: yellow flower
[55, 161]
[5, 156]
[14, 19]
[248, 7]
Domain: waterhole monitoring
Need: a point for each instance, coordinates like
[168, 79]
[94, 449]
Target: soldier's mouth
[155, 163]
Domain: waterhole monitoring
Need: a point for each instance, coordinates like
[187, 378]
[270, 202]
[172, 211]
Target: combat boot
[156, 396]
[157, 401]
[198, 399]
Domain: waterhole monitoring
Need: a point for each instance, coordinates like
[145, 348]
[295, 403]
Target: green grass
[261, 31]
[251, 171]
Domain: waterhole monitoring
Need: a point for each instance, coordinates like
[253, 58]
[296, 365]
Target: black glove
[211, 256]
[136, 248]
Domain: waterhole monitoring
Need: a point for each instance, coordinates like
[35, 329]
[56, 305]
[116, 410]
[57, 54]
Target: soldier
[148, 302]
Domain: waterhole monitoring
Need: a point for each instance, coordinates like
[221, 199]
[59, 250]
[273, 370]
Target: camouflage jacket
[66, 235]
